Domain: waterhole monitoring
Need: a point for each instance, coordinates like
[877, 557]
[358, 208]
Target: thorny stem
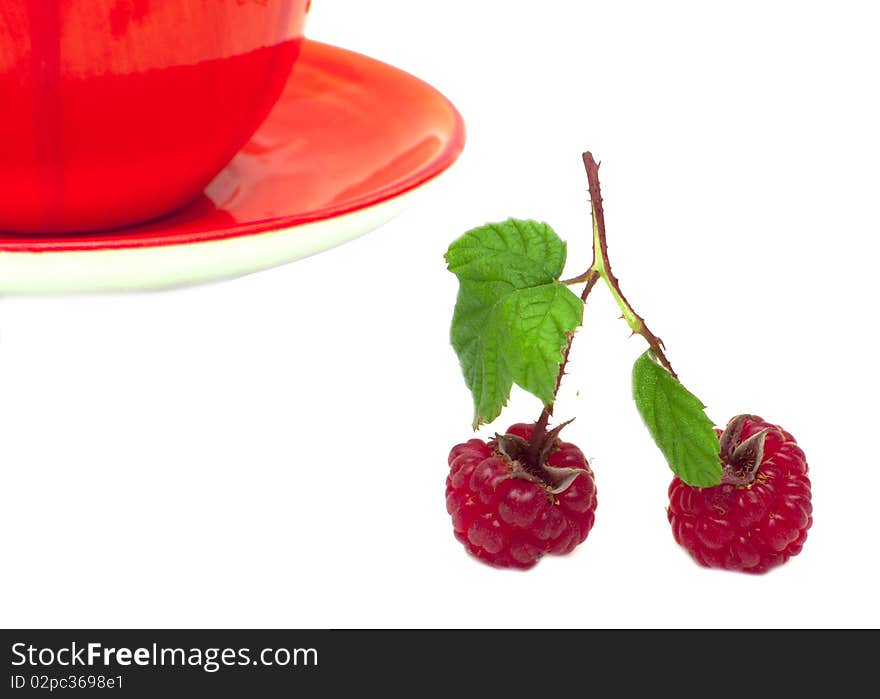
[580, 279]
[599, 269]
[602, 267]
[540, 431]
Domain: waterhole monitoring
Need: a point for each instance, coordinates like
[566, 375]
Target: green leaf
[677, 421]
[520, 253]
[539, 320]
[512, 318]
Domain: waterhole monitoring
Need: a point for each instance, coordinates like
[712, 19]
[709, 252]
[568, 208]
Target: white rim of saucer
[164, 266]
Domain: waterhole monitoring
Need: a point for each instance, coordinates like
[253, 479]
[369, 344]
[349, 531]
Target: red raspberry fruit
[758, 517]
[508, 512]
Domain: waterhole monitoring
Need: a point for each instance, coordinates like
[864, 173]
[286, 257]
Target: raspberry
[508, 513]
[759, 516]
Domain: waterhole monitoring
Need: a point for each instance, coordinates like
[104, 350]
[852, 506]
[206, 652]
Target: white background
[271, 451]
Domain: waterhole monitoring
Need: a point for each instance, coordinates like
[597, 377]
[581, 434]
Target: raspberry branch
[526, 493]
[602, 267]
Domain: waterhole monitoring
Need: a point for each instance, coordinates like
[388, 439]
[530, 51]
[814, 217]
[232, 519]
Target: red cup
[113, 112]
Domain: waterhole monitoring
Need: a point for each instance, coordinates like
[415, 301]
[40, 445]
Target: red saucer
[348, 133]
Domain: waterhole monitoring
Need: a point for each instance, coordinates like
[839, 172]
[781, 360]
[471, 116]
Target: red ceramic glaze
[348, 132]
[116, 111]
